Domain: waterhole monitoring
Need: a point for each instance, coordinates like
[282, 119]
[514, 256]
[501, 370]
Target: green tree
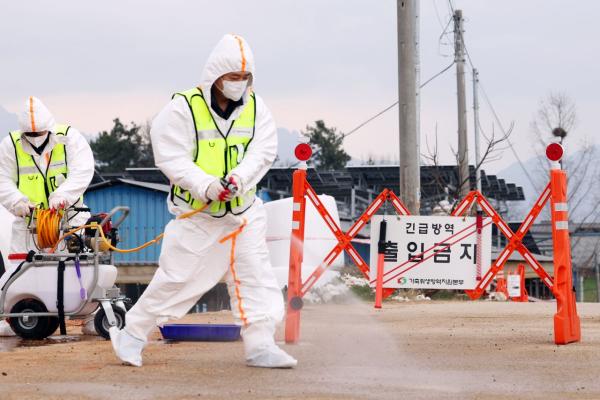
[327, 145]
[123, 147]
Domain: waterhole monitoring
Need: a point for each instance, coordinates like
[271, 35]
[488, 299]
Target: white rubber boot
[261, 350]
[127, 348]
[5, 329]
[271, 357]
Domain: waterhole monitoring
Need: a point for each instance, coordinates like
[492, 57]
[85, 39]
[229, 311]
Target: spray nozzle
[230, 185]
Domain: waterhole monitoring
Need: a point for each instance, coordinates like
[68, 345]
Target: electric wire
[394, 104]
[510, 145]
[438, 74]
[491, 107]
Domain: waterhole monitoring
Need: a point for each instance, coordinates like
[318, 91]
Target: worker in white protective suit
[219, 130]
[42, 164]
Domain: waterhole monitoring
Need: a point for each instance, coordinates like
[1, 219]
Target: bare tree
[557, 113]
[556, 120]
[492, 151]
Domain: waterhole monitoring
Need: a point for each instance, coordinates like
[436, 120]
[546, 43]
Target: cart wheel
[127, 303]
[101, 322]
[36, 328]
[53, 324]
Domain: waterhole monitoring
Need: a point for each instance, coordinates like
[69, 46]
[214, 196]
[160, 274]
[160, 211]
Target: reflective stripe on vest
[30, 179]
[217, 153]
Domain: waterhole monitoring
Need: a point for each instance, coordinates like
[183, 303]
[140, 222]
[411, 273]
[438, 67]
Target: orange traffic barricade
[566, 320]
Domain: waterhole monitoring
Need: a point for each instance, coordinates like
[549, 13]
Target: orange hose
[48, 223]
[48, 227]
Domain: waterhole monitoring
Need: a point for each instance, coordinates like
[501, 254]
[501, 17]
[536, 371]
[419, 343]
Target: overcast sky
[334, 60]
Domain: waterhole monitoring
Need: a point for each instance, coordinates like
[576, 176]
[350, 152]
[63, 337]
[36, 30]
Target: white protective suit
[80, 163]
[80, 171]
[192, 260]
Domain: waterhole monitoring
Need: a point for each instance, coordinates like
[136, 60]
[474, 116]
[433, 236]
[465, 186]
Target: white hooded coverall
[80, 174]
[192, 260]
[80, 169]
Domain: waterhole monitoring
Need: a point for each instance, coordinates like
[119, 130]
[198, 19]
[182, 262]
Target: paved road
[426, 350]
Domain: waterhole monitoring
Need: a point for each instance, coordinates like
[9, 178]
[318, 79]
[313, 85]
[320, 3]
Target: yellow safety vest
[30, 179]
[216, 153]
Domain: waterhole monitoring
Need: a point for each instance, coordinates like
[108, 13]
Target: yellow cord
[48, 222]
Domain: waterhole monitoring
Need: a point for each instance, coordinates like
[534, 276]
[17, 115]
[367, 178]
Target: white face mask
[36, 140]
[234, 90]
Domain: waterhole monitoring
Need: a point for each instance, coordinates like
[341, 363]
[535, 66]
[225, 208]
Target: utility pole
[597, 268]
[476, 127]
[418, 78]
[410, 174]
[463, 150]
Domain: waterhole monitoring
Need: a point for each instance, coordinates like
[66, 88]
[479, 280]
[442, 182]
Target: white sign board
[431, 252]
[513, 282]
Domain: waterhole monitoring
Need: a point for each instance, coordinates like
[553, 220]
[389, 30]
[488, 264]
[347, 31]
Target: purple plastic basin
[201, 332]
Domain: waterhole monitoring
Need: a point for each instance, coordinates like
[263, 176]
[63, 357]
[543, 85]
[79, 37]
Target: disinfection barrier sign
[431, 252]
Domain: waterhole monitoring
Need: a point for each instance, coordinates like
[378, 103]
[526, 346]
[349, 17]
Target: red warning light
[554, 152]
[303, 151]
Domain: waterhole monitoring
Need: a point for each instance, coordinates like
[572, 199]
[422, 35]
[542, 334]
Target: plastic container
[318, 239]
[201, 332]
[40, 283]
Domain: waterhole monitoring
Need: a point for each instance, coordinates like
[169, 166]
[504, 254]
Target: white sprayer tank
[5, 233]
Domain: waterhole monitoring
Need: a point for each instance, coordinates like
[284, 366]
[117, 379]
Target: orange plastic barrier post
[567, 327]
[292, 320]
[380, 264]
[301, 191]
[501, 283]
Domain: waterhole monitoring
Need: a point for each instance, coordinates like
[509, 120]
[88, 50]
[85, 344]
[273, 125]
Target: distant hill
[584, 184]
[8, 122]
[286, 143]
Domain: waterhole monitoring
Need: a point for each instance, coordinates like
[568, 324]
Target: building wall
[147, 218]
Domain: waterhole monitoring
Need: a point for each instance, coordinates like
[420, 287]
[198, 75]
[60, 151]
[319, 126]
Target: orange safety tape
[233, 236]
[242, 52]
[31, 116]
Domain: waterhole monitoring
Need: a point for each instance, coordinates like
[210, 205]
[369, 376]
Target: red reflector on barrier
[554, 151]
[303, 151]
[17, 256]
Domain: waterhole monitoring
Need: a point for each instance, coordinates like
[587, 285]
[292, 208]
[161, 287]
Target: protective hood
[35, 117]
[231, 54]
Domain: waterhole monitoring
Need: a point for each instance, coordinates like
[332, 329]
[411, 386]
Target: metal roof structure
[434, 180]
[354, 186]
[364, 182]
[159, 187]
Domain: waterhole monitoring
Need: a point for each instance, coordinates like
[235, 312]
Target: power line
[492, 109]
[437, 14]
[395, 103]
[436, 75]
[489, 103]
[369, 120]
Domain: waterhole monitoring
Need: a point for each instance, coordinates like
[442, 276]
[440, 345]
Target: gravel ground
[419, 350]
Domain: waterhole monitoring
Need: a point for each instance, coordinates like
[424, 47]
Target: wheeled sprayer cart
[74, 278]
